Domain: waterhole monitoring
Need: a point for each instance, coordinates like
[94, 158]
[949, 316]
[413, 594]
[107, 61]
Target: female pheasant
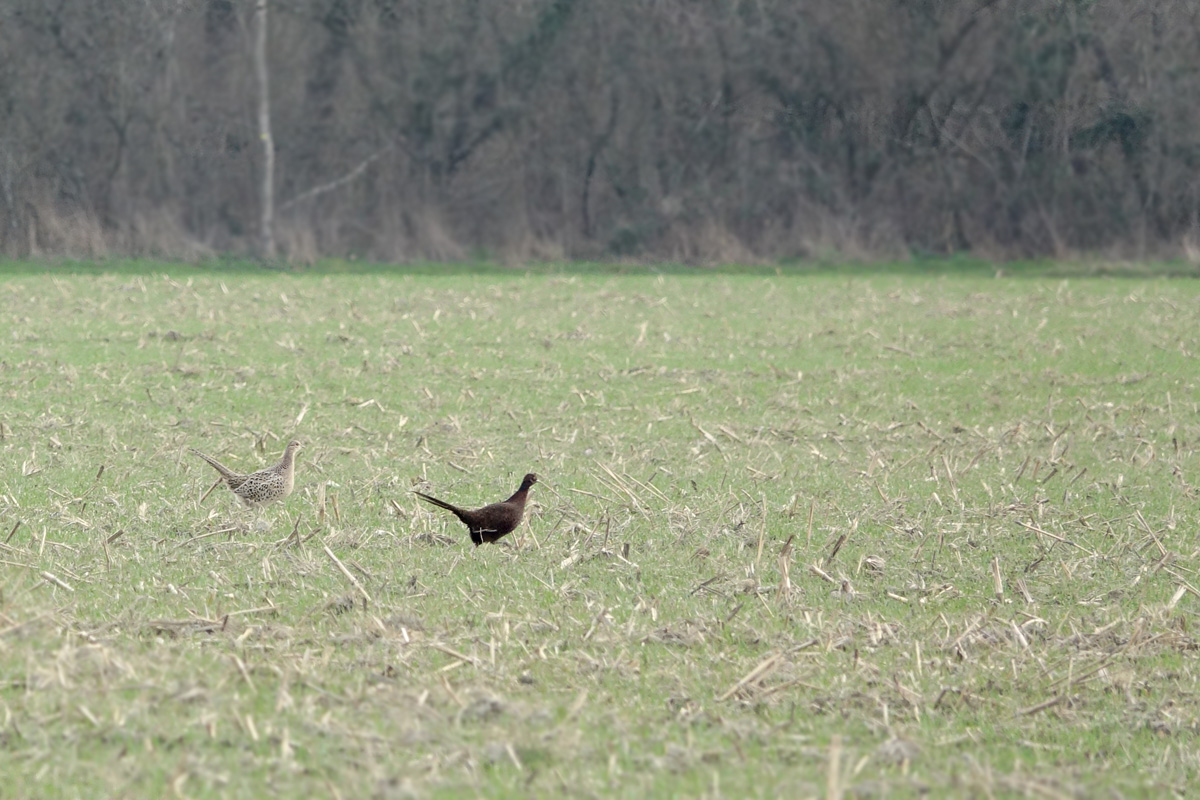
[265, 486]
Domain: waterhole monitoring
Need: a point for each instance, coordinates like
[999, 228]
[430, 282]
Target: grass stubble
[818, 536]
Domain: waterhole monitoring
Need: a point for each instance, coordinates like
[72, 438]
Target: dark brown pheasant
[492, 522]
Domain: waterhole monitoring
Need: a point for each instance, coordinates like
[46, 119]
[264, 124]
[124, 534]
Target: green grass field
[807, 536]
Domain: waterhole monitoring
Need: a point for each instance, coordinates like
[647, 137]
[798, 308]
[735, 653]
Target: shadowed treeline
[696, 130]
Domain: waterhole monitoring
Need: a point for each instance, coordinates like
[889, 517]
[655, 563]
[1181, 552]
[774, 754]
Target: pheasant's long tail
[226, 473]
[458, 512]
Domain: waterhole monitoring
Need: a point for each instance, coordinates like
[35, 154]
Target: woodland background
[698, 130]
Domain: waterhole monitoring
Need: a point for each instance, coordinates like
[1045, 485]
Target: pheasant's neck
[289, 474]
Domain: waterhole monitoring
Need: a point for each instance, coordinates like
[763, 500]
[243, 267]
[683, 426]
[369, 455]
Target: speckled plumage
[265, 486]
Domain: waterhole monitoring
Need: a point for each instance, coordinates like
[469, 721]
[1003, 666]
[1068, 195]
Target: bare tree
[689, 129]
[267, 216]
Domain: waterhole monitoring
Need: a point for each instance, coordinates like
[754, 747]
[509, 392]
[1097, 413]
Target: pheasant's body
[494, 521]
[265, 486]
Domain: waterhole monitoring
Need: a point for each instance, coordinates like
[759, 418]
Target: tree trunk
[267, 244]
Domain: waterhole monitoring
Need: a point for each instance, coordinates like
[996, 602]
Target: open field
[818, 536]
